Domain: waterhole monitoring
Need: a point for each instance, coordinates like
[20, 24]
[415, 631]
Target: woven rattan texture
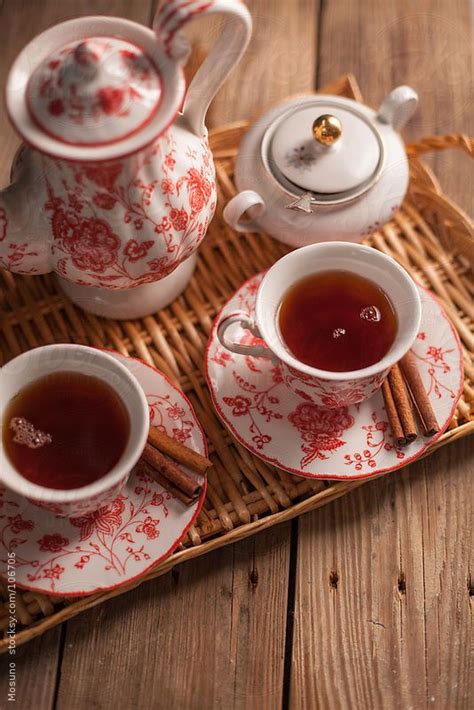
[430, 236]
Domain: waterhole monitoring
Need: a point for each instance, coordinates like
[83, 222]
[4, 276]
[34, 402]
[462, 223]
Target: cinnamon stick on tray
[171, 472]
[402, 404]
[419, 395]
[177, 451]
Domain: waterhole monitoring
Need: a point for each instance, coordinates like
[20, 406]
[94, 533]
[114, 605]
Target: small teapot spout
[24, 245]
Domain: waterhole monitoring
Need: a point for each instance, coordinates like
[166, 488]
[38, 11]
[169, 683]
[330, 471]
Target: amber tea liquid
[65, 430]
[337, 321]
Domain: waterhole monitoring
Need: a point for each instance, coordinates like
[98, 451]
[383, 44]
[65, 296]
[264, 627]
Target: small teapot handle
[238, 205]
[231, 44]
[398, 107]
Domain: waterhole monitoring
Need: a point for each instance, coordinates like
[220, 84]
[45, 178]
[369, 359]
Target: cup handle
[238, 205]
[249, 324]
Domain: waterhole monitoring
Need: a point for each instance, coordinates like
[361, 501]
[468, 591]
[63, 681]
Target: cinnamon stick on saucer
[171, 472]
[419, 395]
[177, 451]
[402, 404]
[154, 473]
[392, 413]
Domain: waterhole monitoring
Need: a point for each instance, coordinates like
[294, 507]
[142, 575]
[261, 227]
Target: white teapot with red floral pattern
[113, 188]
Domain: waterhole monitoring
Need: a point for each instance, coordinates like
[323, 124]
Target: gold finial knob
[327, 129]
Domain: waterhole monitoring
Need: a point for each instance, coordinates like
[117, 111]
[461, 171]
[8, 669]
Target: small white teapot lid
[94, 91]
[325, 148]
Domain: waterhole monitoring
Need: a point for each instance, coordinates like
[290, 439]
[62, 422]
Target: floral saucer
[119, 542]
[286, 430]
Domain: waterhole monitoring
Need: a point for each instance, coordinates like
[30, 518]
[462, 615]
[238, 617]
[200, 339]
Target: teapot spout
[24, 227]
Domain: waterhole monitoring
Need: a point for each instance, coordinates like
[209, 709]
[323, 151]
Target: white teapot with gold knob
[114, 188]
[320, 168]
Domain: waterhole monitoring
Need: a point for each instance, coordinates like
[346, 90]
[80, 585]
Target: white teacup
[325, 388]
[36, 363]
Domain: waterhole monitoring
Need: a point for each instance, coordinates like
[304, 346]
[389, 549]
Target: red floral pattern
[285, 427]
[435, 358]
[104, 520]
[102, 174]
[162, 198]
[18, 524]
[167, 186]
[260, 403]
[120, 540]
[320, 429]
[222, 356]
[199, 189]
[342, 398]
[169, 214]
[378, 440]
[102, 200]
[149, 527]
[53, 543]
[110, 99]
[327, 393]
[90, 242]
[136, 251]
[58, 90]
[53, 572]
[240, 405]
[178, 219]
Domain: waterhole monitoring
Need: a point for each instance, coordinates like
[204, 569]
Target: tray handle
[425, 178]
[428, 189]
[452, 140]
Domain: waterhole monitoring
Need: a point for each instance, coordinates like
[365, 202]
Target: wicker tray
[430, 236]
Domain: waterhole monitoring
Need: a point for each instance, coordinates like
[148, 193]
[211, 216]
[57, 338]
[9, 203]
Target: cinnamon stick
[159, 478]
[402, 404]
[178, 452]
[173, 473]
[419, 395]
[393, 418]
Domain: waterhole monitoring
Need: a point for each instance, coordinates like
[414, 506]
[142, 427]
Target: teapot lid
[325, 148]
[94, 91]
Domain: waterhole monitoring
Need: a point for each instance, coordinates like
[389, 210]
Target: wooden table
[366, 602]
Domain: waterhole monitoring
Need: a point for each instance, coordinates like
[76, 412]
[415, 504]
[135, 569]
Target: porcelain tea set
[113, 190]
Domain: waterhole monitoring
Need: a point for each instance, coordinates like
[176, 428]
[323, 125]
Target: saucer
[288, 431]
[119, 542]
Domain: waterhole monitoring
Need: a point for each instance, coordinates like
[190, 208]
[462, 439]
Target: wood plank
[382, 615]
[210, 634]
[215, 637]
[382, 611]
[36, 667]
[427, 45]
[279, 60]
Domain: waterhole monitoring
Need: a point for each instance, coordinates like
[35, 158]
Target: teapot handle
[227, 51]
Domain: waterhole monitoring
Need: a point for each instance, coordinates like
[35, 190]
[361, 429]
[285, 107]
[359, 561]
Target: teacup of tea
[74, 422]
[335, 317]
